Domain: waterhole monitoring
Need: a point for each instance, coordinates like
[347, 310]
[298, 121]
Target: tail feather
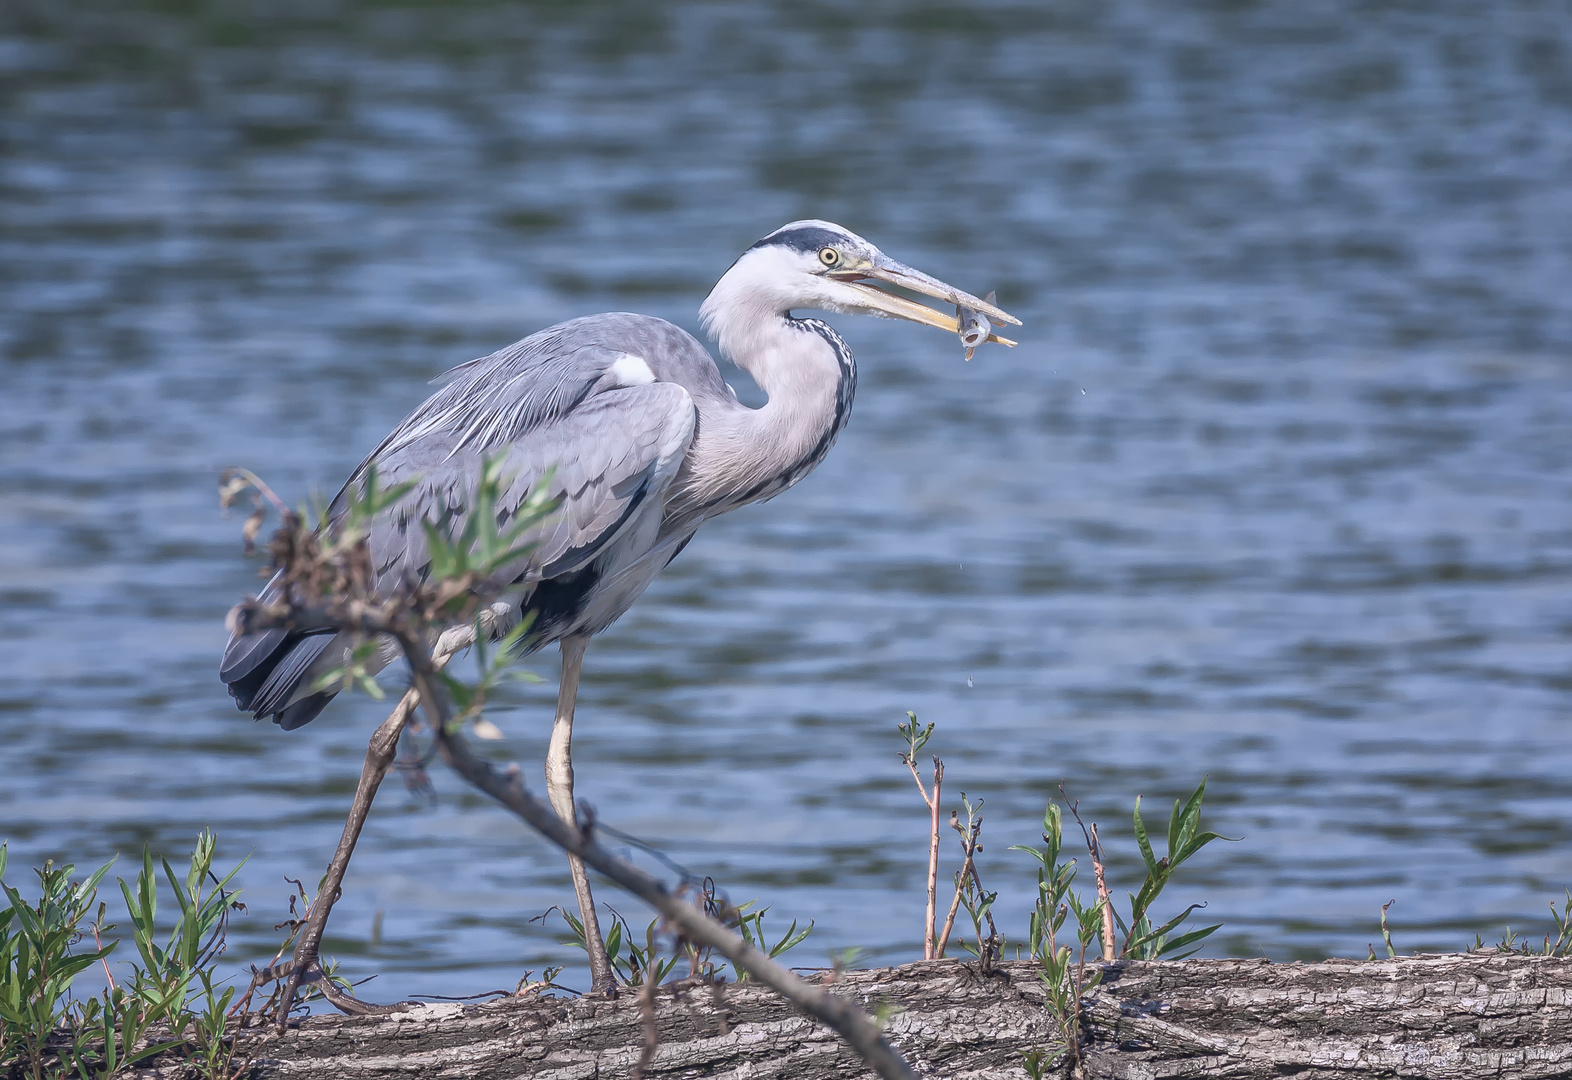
[244, 653]
[247, 661]
[303, 711]
[289, 669]
[264, 670]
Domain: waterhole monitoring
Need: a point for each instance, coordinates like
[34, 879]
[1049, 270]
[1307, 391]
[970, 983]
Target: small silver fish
[974, 328]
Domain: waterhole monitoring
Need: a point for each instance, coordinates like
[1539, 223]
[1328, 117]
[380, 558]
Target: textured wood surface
[1436, 1017]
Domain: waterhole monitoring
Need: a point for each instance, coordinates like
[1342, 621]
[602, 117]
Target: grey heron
[627, 419]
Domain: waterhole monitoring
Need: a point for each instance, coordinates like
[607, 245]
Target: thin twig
[1110, 950]
[650, 1033]
[930, 948]
[967, 847]
[971, 844]
[986, 953]
[379, 755]
[99, 945]
[949, 918]
[236, 478]
[911, 763]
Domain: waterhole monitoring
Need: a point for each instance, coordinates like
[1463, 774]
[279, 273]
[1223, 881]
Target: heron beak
[882, 302]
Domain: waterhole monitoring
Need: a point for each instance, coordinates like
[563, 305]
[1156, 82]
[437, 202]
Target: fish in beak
[975, 327]
[877, 301]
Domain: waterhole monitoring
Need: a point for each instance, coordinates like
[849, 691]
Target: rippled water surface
[1275, 489]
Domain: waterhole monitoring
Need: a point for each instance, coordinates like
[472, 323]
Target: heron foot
[604, 986]
[310, 970]
[603, 977]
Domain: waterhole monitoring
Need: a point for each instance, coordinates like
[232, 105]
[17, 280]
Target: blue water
[1275, 489]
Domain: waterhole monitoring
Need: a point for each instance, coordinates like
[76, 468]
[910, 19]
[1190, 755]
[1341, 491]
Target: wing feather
[568, 409]
[608, 459]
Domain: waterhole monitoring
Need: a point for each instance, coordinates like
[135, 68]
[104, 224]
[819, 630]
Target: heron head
[820, 265]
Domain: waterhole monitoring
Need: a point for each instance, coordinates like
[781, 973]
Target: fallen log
[1438, 1017]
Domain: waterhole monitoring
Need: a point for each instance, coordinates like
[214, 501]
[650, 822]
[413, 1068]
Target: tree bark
[1435, 1017]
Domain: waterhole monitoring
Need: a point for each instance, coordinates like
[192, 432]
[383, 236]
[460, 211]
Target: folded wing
[586, 422]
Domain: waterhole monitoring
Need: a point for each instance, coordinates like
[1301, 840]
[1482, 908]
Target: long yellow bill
[898, 307]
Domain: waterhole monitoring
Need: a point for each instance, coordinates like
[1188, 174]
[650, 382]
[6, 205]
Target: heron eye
[829, 256]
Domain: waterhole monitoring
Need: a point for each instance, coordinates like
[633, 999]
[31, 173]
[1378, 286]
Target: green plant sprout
[176, 980]
[1562, 921]
[641, 963]
[750, 924]
[39, 961]
[1064, 976]
[1559, 947]
[841, 959]
[1185, 838]
[173, 991]
[487, 543]
[1063, 970]
[354, 673]
[969, 892]
[644, 962]
[916, 737]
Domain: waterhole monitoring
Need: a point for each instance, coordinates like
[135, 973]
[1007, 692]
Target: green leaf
[791, 939]
[1141, 840]
[1180, 942]
[1033, 852]
[151, 1051]
[91, 884]
[1183, 823]
[1154, 935]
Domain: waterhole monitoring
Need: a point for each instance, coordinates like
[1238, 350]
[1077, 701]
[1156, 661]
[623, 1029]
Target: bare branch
[916, 777]
[647, 1027]
[929, 949]
[1110, 950]
[967, 849]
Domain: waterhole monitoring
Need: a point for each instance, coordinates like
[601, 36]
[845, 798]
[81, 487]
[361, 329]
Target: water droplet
[969, 680]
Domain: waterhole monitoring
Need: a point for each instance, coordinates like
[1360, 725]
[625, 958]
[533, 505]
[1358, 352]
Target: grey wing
[609, 461]
[587, 420]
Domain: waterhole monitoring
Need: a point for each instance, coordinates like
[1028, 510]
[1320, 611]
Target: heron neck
[794, 364]
[809, 375]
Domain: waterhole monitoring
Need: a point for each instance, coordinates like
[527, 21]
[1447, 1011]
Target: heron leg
[559, 789]
[379, 757]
